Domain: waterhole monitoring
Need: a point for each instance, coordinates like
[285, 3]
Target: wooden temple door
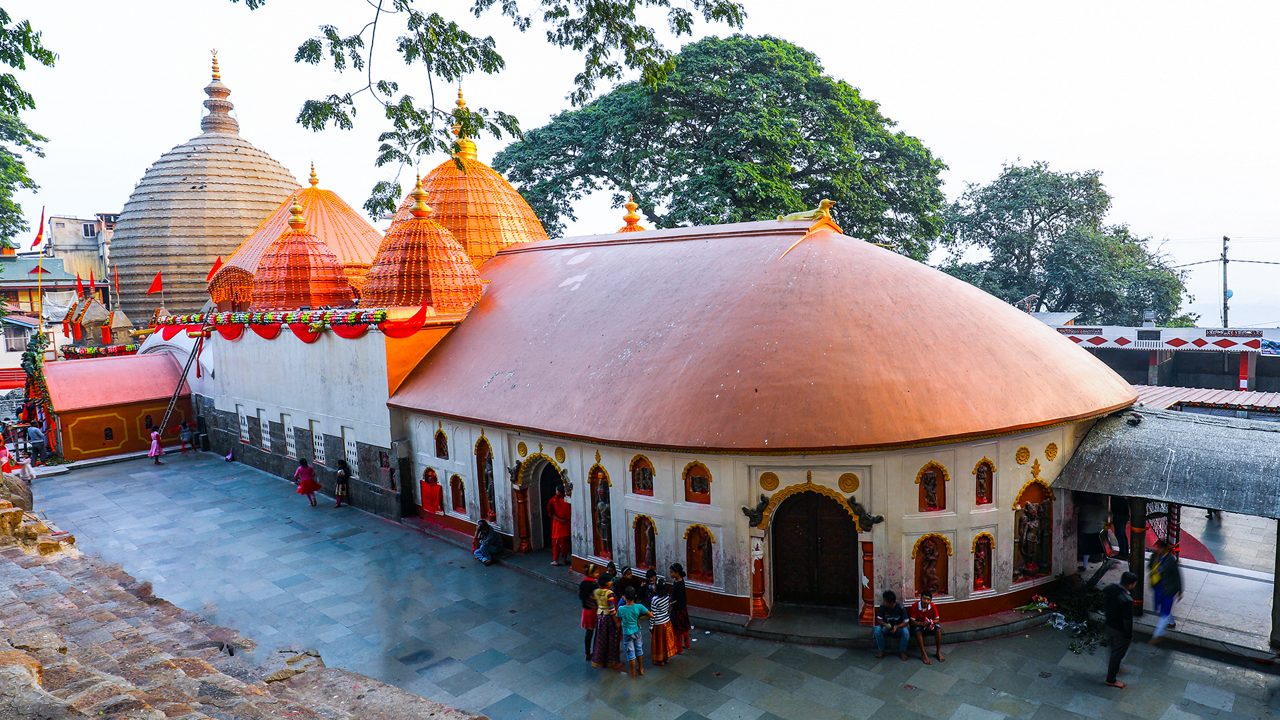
[815, 552]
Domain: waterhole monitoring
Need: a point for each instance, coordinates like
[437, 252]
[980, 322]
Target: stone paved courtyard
[239, 547]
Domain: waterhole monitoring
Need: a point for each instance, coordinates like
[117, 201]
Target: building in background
[82, 244]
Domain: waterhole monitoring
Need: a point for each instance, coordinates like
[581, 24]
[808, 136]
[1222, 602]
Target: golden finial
[296, 220]
[217, 74]
[632, 217]
[314, 180]
[420, 208]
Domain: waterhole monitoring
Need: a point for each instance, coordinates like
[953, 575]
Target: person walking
[342, 484]
[606, 644]
[305, 478]
[664, 638]
[1166, 585]
[1117, 605]
[586, 597]
[185, 436]
[156, 451]
[561, 514]
[679, 608]
[632, 641]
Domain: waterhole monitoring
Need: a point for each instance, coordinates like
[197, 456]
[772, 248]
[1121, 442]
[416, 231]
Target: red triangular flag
[106, 334]
[93, 285]
[115, 272]
[157, 285]
[40, 233]
[79, 286]
[217, 264]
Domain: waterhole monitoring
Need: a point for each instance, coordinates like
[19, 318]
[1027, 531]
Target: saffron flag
[115, 272]
[157, 285]
[217, 264]
[39, 233]
[79, 286]
[93, 285]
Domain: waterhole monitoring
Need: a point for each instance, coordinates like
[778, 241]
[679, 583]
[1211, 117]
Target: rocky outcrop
[16, 491]
[31, 533]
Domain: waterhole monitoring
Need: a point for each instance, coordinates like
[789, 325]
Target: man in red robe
[561, 515]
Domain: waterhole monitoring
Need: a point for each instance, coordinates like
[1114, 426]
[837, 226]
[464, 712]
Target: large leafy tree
[743, 128]
[1047, 246]
[18, 43]
[612, 37]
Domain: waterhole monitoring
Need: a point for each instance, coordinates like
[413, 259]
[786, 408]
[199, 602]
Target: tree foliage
[1045, 237]
[18, 42]
[611, 36]
[743, 128]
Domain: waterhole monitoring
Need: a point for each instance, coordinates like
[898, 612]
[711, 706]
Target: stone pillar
[1138, 550]
[1275, 596]
[867, 616]
[522, 519]
[759, 608]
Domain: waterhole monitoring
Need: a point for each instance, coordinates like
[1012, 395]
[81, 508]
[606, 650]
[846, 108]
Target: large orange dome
[482, 210]
[351, 238]
[760, 337]
[420, 263]
[298, 270]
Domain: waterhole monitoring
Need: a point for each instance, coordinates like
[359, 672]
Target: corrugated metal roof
[1185, 458]
[1163, 398]
[1055, 318]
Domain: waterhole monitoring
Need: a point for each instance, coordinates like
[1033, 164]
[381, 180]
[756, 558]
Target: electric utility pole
[1226, 291]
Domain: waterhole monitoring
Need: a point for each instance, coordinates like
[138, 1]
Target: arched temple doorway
[548, 481]
[815, 552]
[536, 479]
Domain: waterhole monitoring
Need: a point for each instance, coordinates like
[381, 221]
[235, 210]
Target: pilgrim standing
[184, 436]
[632, 641]
[607, 643]
[156, 451]
[305, 477]
[664, 638]
[586, 598]
[561, 514]
[679, 608]
[1117, 604]
[342, 484]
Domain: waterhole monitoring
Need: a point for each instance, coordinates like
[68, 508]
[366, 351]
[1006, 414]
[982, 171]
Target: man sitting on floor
[891, 621]
[925, 621]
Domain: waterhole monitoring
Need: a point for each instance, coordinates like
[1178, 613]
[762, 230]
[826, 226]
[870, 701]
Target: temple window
[698, 553]
[148, 422]
[983, 549]
[108, 434]
[931, 560]
[442, 445]
[1033, 533]
[484, 472]
[458, 495]
[601, 513]
[984, 474]
[641, 476]
[697, 483]
[646, 541]
[932, 483]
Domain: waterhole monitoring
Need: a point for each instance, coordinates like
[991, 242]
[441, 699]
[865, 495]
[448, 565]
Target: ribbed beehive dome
[482, 210]
[333, 221]
[196, 203]
[420, 263]
[299, 271]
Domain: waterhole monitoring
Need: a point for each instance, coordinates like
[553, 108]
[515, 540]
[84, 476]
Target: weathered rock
[13, 489]
[296, 662]
[347, 694]
[22, 697]
[23, 661]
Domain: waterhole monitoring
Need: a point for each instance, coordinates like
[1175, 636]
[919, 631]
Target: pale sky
[1173, 101]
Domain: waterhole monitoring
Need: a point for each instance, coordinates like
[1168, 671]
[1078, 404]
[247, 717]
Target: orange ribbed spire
[298, 270]
[632, 218]
[421, 263]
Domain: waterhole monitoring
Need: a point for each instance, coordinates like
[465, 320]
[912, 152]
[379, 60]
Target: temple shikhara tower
[794, 414]
[194, 204]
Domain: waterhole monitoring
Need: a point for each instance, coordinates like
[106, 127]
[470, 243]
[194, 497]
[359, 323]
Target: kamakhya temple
[796, 415]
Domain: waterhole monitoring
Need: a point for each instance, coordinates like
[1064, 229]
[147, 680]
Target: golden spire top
[314, 180]
[462, 103]
[632, 217]
[420, 208]
[466, 146]
[217, 74]
[296, 220]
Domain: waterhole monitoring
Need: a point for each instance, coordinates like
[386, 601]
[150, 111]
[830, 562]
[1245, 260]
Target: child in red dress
[305, 477]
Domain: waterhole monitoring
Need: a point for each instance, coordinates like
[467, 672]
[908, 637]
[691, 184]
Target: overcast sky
[1174, 102]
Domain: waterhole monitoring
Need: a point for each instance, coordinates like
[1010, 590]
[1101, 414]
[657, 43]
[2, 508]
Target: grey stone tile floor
[374, 597]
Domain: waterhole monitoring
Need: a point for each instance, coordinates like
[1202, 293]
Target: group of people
[893, 621]
[613, 607]
[1117, 604]
[304, 479]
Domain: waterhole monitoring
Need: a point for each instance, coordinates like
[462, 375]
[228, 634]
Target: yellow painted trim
[988, 461]
[521, 480]
[808, 486]
[915, 549]
[636, 521]
[1029, 483]
[946, 476]
[591, 473]
[973, 548]
[705, 529]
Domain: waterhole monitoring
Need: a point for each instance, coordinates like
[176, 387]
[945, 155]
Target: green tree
[612, 37]
[18, 42]
[1045, 238]
[743, 128]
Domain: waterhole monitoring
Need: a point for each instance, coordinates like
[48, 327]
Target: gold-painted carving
[986, 460]
[597, 457]
[1033, 481]
[769, 482]
[946, 477]
[523, 478]
[591, 474]
[915, 549]
[1051, 452]
[1035, 468]
[973, 548]
[560, 455]
[1023, 455]
[636, 521]
[522, 449]
[779, 497]
[849, 483]
[704, 529]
